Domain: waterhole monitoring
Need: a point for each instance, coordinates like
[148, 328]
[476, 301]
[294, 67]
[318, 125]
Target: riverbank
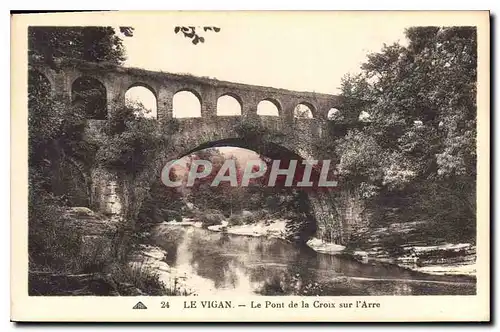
[270, 228]
[445, 259]
[408, 245]
[198, 261]
[442, 259]
[89, 258]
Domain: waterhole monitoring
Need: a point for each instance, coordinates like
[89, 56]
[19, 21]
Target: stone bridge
[282, 136]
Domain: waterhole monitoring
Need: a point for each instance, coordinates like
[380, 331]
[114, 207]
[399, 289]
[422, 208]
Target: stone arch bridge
[281, 136]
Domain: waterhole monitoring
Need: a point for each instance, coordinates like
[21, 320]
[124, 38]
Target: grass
[55, 247]
[63, 262]
[140, 277]
[147, 280]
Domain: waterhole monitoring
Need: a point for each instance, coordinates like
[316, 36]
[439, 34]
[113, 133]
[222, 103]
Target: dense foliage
[419, 146]
[64, 144]
[94, 44]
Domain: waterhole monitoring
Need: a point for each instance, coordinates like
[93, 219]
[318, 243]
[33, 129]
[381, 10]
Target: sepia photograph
[252, 155]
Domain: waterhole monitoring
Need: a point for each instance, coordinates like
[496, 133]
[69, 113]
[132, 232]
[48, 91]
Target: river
[240, 264]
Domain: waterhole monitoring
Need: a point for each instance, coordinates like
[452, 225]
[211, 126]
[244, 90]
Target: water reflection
[258, 265]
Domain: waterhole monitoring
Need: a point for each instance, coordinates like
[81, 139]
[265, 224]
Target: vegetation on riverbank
[414, 162]
[73, 250]
[58, 245]
[78, 252]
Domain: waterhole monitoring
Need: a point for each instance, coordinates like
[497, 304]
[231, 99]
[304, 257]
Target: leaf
[216, 29]
[195, 40]
[177, 29]
[127, 31]
[207, 28]
[202, 40]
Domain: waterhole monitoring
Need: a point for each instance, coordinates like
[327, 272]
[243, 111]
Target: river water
[270, 266]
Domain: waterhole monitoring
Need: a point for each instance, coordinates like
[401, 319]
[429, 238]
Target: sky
[308, 52]
[302, 53]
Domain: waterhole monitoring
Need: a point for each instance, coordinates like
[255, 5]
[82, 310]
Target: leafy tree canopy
[423, 104]
[84, 43]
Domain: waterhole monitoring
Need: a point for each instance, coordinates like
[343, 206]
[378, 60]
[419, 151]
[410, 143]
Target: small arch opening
[303, 111]
[89, 95]
[228, 105]
[268, 107]
[334, 114]
[143, 99]
[186, 105]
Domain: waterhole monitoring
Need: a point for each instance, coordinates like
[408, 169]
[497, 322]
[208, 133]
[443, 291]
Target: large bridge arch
[224, 132]
[192, 132]
[268, 149]
[315, 204]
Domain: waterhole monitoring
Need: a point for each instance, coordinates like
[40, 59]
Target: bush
[51, 245]
[290, 215]
[62, 249]
[261, 215]
[244, 219]
[250, 219]
[235, 220]
[191, 213]
[171, 215]
[211, 219]
[149, 217]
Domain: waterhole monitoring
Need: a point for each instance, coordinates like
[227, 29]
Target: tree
[56, 143]
[421, 137]
[93, 44]
[56, 130]
[424, 98]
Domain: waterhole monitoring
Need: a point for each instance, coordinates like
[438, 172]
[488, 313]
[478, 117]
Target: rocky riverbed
[402, 244]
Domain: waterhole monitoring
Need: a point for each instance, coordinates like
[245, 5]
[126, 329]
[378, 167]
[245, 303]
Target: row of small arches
[186, 104]
[91, 93]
